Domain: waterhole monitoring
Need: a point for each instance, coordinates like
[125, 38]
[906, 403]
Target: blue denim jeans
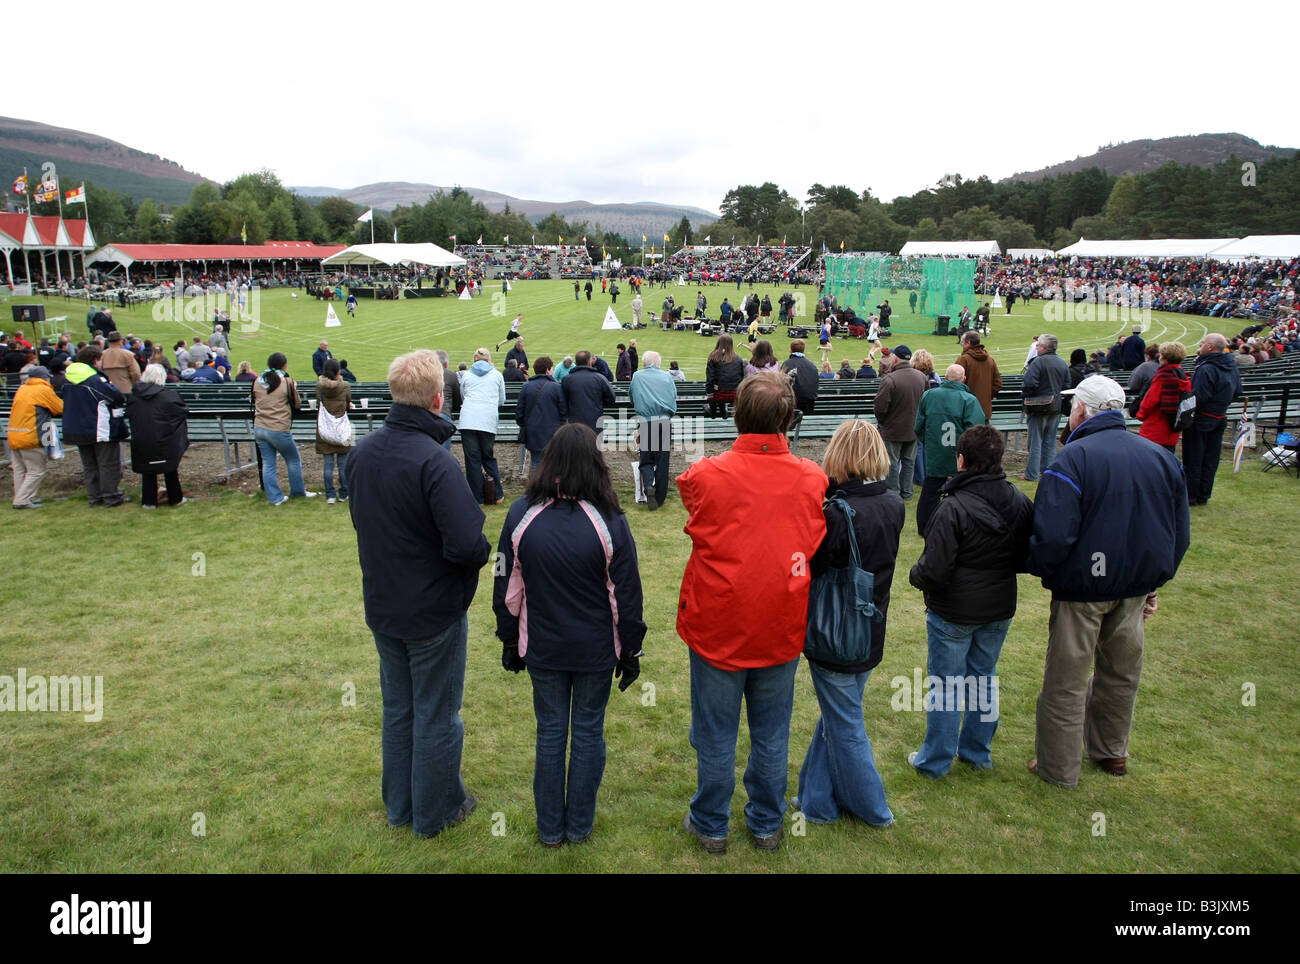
[329, 475]
[839, 771]
[1042, 443]
[422, 682]
[965, 660]
[444, 415]
[270, 443]
[715, 723]
[559, 697]
[479, 458]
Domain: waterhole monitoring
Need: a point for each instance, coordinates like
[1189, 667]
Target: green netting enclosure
[918, 289]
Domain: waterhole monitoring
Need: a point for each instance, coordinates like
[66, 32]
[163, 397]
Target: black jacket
[586, 395]
[540, 411]
[419, 527]
[806, 381]
[159, 435]
[1047, 374]
[1215, 383]
[723, 377]
[975, 543]
[877, 521]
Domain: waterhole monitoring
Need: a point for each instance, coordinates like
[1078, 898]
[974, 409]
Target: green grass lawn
[224, 696]
[556, 325]
[225, 691]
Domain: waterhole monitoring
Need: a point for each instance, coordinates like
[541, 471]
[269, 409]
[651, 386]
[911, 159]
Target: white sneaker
[311, 495]
[281, 502]
[330, 500]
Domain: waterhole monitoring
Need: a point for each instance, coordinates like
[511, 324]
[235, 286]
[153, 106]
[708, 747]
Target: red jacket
[755, 522]
[1168, 382]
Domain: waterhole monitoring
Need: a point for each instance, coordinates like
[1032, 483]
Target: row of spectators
[1200, 286]
[723, 264]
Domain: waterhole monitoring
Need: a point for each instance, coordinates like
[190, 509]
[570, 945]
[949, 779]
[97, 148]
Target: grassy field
[229, 635]
[556, 325]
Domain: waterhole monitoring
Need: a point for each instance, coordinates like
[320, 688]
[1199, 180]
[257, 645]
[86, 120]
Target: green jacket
[945, 412]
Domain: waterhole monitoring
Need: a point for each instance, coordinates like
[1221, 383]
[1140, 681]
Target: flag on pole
[666, 239]
[76, 195]
[584, 239]
[507, 239]
[453, 238]
[20, 184]
[480, 239]
[561, 239]
[370, 213]
[643, 239]
[841, 245]
[825, 250]
[243, 233]
[394, 235]
[783, 242]
[708, 238]
[1244, 432]
[604, 254]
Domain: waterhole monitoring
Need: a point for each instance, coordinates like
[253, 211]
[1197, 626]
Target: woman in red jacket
[1160, 404]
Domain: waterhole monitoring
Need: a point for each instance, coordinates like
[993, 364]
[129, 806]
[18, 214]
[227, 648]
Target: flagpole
[85, 213]
[58, 197]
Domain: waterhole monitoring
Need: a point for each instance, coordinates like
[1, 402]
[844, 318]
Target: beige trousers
[1078, 712]
[29, 469]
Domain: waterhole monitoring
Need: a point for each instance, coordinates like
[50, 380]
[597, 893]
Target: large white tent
[1155, 248]
[950, 249]
[1261, 246]
[427, 254]
[1031, 253]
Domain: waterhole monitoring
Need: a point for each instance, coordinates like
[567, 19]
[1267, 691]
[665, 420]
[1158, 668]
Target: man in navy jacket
[540, 410]
[1215, 383]
[1110, 528]
[587, 393]
[421, 544]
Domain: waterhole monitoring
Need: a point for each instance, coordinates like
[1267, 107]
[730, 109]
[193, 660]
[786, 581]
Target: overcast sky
[660, 101]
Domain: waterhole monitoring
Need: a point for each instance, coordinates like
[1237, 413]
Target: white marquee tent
[427, 254]
[1031, 253]
[949, 249]
[1156, 248]
[1261, 246]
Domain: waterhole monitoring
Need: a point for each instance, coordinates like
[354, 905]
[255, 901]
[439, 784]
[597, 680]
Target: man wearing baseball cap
[1110, 528]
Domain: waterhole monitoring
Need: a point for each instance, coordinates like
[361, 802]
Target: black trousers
[928, 501]
[149, 488]
[1202, 446]
[656, 443]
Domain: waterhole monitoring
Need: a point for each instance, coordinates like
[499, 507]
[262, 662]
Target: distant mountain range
[1139, 157]
[80, 156]
[630, 218]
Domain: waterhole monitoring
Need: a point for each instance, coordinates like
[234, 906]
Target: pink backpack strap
[516, 600]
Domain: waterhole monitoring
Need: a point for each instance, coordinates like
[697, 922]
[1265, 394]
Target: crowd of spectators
[720, 264]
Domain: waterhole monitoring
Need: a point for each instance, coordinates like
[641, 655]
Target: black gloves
[629, 667]
[510, 658]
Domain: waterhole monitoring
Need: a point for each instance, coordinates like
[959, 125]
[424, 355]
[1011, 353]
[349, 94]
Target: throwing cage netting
[918, 289]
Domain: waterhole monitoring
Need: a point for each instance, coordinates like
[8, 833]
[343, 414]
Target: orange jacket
[22, 417]
[755, 522]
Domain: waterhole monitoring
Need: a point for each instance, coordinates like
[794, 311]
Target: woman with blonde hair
[839, 770]
[923, 362]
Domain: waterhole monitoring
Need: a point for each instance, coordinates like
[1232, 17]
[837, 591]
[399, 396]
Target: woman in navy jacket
[568, 606]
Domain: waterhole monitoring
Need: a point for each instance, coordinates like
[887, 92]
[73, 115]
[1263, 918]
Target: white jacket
[483, 390]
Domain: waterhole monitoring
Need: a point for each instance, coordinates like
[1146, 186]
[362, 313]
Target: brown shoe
[1115, 767]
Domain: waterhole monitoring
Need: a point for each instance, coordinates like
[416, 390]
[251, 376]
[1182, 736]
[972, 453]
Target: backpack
[1180, 420]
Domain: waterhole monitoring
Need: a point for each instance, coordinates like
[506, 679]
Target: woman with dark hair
[568, 608]
[764, 358]
[335, 396]
[722, 376]
[275, 399]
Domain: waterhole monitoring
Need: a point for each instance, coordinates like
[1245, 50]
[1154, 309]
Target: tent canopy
[949, 249]
[1261, 246]
[1157, 248]
[1018, 253]
[427, 254]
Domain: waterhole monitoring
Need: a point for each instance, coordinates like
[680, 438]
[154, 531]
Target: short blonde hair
[1173, 352]
[415, 378]
[923, 361]
[856, 451]
[482, 354]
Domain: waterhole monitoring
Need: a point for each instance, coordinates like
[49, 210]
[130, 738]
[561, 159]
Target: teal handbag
[840, 610]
